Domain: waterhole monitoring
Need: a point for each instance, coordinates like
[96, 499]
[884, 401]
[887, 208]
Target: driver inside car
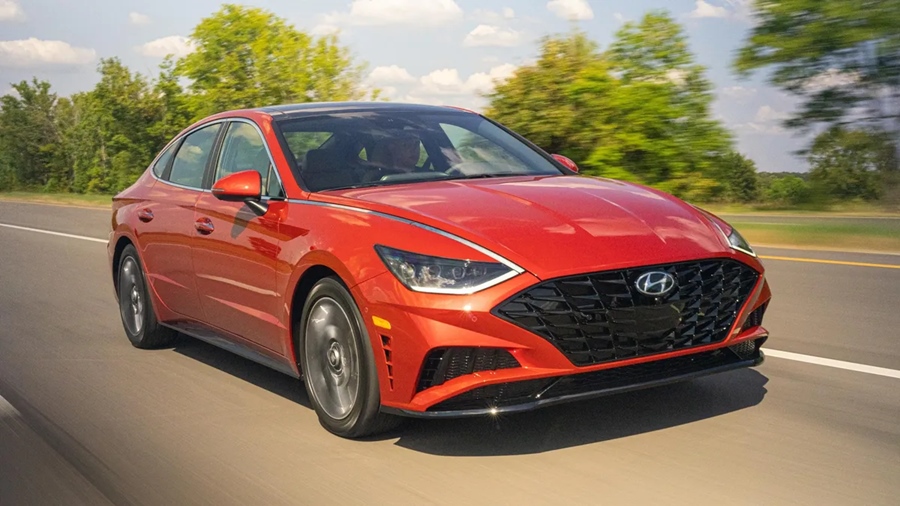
[398, 154]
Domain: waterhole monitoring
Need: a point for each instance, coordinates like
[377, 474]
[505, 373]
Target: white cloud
[767, 114]
[740, 10]
[136, 18]
[489, 16]
[37, 53]
[449, 82]
[707, 10]
[490, 35]
[390, 75]
[571, 9]
[325, 29]
[387, 12]
[831, 78]
[619, 17]
[10, 10]
[176, 45]
[738, 92]
[482, 82]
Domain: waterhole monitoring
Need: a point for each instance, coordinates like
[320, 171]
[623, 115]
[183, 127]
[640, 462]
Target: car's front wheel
[138, 317]
[338, 364]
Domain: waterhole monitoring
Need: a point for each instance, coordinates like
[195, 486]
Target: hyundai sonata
[408, 260]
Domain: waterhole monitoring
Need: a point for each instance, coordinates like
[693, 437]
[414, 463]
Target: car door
[166, 220]
[235, 253]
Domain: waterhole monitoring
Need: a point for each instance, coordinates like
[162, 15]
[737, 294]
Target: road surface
[88, 419]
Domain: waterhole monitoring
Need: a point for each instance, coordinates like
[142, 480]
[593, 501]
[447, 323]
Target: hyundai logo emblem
[655, 283]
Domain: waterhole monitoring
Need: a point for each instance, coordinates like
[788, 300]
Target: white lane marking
[828, 362]
[6, 408]
[50, 232]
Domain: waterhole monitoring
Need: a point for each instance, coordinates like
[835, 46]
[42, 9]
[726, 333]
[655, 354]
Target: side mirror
[244, 186]
[567, 162]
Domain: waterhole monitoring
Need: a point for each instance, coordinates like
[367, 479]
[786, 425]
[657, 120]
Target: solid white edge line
[828, 362]
[50, 232]
[6, 408]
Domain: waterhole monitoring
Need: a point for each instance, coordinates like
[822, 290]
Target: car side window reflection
[190, 161]
[244, 149]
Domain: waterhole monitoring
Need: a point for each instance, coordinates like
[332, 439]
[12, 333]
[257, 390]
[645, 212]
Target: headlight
[423, 273]
[734, 238]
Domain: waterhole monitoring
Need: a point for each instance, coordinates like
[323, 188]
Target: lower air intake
[444, 364]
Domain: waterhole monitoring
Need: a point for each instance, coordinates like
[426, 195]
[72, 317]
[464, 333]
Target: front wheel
[338, 363]
[138, 317]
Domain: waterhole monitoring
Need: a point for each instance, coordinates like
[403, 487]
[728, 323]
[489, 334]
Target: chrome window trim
[178, 138]
[515, 268]
[211, 123]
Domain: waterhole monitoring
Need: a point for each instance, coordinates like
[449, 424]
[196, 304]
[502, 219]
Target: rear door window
[190, 161]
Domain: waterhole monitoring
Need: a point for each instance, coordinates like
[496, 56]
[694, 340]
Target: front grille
[602, 317]
[617, 379]
[444, 364]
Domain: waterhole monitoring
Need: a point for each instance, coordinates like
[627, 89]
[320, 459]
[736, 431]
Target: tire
[135, 307]
[338, 363]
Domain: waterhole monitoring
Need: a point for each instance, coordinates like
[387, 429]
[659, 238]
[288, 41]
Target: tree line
[637, 110]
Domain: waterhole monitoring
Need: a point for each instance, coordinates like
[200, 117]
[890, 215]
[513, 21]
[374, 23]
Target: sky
[429, 51]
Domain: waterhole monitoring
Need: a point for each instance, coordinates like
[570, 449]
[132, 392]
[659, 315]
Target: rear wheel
[138, 317]
[338, 363]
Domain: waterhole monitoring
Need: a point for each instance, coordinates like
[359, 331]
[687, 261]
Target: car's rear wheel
[338, 363]
[138, 317]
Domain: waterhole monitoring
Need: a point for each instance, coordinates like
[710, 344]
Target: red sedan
[425, 261]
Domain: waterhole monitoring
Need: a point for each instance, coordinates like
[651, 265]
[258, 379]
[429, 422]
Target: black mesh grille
[444, 364]
[601, 317]
[606, 381]
[756, 317]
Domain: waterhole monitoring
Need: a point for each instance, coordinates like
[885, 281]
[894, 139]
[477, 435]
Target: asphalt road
[91, 420]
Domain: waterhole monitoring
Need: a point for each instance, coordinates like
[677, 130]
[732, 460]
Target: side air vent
[444, 364]
[388, 358]
[756, 317]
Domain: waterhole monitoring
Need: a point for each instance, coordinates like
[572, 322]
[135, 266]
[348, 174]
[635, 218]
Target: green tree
[537, 101]
[738, 177]
[851, 164]
[114, 139]
[249, 57]
[640, 111]
[788, 191]
[841, 57]
[30, 138]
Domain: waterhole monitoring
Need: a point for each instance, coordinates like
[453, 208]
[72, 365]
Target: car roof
[297, 110]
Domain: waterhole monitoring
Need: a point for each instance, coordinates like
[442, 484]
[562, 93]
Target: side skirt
[214, 338]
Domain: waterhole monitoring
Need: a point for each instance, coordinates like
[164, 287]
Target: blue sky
[432, 51]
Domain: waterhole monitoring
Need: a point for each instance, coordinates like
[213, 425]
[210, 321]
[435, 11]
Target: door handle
[145, 215]
[204, 226]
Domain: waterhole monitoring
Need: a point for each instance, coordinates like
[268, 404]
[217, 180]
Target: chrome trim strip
[222, 120]
[515, 268]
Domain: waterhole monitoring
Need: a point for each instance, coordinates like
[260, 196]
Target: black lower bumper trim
[528, 395]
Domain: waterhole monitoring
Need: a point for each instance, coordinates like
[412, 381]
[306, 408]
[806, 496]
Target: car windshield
[355, 149]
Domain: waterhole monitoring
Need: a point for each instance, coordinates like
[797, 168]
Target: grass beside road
[869, 235]
[71, 199]
[851, 229]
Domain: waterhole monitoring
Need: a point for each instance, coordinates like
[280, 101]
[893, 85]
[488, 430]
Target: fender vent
[444, 364]
[388, 358]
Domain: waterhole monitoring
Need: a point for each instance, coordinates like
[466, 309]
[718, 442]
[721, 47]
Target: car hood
[554, 226]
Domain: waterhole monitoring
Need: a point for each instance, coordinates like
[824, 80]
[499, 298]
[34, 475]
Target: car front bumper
[527, 395]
